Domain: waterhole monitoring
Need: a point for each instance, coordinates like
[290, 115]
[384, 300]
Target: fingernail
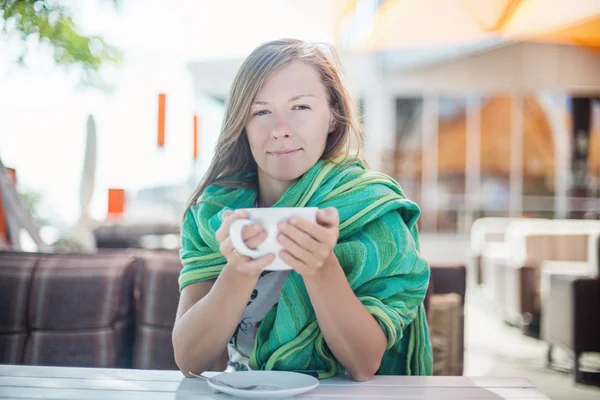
[293, 221]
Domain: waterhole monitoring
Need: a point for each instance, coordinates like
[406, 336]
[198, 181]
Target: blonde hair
[233, 160]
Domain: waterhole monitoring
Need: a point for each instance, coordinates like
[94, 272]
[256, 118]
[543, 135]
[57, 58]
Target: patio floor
[493, 348]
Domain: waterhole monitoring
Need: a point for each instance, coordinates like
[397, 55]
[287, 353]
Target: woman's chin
[286, 173]
[286, 176]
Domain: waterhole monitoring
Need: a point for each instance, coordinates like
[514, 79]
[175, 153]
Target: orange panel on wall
[162, 106]
[195, 150]
[116, 202]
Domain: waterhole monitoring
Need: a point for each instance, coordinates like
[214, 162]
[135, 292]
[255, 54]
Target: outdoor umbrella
[411, 23]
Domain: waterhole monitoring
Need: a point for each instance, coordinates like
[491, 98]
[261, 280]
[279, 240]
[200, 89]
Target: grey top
[264, 296]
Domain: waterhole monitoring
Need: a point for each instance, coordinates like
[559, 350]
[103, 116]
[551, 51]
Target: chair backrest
[16, 274]
[557, 240]
[557, 247]
[488, 230]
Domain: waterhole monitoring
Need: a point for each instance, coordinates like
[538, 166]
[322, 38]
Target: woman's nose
[281, 129]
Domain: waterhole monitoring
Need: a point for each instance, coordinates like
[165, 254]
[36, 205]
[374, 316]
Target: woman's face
[289, 122]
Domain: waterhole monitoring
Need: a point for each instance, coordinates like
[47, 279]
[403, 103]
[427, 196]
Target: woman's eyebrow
[300, 96]
[260, 102]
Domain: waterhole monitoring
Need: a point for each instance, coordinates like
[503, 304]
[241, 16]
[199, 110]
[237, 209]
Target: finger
[293, 262]
[304, 232]
[328, 217]
[226, 247]
[250, 231]
[255, 241]
[223, 231]
[260, 263]
[299, 252]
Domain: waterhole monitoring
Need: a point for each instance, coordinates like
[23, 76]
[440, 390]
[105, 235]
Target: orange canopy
[407, 23]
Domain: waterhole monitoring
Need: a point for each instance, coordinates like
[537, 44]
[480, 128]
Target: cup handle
[235, 234]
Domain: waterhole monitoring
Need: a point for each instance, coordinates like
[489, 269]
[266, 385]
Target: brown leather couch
[61, 309]
[572, 318]
[116, 309]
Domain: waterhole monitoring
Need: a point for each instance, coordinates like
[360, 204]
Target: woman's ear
[333, 123]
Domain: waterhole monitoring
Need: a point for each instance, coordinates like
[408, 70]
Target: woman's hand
[307, 245]
[253, 235]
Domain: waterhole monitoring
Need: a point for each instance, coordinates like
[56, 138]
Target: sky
[43, 108]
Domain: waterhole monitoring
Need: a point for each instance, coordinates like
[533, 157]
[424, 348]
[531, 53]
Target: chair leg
[585, 377]
[576, 372]
[549, 356]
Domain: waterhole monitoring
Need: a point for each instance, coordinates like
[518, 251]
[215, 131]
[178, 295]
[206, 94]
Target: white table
[29, 382]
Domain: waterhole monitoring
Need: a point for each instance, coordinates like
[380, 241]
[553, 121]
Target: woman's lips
[285, 153]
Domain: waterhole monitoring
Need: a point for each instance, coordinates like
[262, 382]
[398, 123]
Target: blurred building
[469, 131]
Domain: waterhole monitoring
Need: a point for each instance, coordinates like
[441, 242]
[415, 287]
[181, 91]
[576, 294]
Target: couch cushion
[445, 332]
[153, 349]
[12, 347]
[158, 289]
[16, 272]
[158, 296]
[81, 291]
[99, 348]
[449, 279]
[452, 279]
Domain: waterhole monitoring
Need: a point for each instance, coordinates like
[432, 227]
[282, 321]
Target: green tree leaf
[51, 22]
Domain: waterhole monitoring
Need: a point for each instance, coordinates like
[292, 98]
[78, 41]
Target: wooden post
[581, 122]
[5, 241]
[4, 231]
[20, 216]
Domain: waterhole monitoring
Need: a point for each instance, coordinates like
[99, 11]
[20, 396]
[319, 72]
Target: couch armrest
[559, 314]
[519, 301]
[587, 315]
[529, 295]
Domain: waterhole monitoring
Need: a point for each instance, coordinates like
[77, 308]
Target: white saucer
[274, 384]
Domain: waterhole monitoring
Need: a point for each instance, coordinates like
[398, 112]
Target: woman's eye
[261, 112]
[301, 107]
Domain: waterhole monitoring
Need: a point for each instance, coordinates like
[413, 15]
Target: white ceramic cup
[269, 218]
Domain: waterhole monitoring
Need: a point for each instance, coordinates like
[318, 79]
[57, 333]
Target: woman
[354, 298]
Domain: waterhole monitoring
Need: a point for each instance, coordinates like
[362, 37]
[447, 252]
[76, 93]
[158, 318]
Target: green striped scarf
[377, 249]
